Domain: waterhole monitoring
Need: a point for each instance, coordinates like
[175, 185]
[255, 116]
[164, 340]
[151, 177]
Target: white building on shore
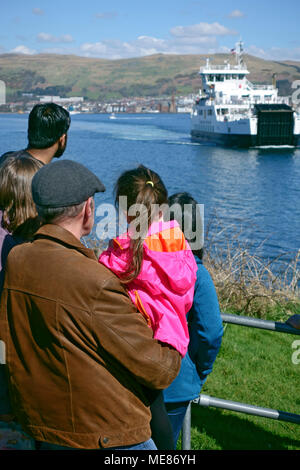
[2, 92]
[59, 100]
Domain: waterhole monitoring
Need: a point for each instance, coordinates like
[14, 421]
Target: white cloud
[280, 53]
[201, 38]
[146, 45]
[115, 49]
[23, 50]
[106, 15]
[194, 39]
[257, 51]
[38, 11]
[201, 29]
[45, 37]
[236, 14]
[59, 50]
[109, 49]
[96, 48]
[274, 53]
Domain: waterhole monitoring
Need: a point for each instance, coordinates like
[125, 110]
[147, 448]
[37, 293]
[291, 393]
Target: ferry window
[234, 77]
[210, 78]
[209, 112]
[228, 77]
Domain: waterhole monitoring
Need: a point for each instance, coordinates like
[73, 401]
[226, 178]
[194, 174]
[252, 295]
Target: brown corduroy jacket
[80, 358]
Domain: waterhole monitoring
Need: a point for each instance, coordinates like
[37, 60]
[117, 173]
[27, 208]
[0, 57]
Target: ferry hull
[234, 140]
[227, 140]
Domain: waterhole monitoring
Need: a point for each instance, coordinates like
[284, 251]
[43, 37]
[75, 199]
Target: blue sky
[132, 28]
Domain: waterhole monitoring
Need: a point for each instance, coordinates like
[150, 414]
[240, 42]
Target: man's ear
[62, 139]
[89, 207]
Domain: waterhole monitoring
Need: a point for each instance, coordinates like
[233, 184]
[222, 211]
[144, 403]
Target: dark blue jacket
[206, 331]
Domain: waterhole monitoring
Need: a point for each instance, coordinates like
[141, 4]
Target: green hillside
[156, 75]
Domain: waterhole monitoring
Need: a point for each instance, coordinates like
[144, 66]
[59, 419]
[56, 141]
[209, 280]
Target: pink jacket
[163, 291]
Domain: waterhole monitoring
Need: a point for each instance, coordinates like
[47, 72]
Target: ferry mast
[239, 51]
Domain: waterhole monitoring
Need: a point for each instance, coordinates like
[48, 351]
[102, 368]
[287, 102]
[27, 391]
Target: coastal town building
[2, 92]
[79, 104]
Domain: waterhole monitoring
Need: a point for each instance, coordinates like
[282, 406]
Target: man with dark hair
[78, 352]
[48, 125]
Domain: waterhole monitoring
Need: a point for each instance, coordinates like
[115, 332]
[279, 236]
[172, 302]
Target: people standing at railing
[18, 225]
[158, 269]
[48, 125]
[80, 355]
[204, 322]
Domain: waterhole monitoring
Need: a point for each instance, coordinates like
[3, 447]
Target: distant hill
[156, 75]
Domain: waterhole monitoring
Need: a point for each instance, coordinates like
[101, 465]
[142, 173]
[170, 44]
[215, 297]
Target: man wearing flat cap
[79, 357]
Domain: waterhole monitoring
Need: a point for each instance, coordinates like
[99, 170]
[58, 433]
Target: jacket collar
[64, 237]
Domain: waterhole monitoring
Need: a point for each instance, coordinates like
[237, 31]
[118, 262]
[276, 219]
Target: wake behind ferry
[232, 111]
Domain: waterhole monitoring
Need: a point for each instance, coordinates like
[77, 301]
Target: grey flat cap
[64, 183]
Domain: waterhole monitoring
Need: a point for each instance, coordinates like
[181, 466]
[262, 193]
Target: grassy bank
[253, 367]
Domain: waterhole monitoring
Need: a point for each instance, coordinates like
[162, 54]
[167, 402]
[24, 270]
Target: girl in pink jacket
[153, 260]
[155, 263]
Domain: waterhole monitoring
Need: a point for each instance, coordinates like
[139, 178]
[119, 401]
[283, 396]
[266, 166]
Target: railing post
[205, 400]
[186, 430]
[258, 323]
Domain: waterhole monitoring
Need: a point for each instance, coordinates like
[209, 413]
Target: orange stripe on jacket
[169, 240]
[141, 308]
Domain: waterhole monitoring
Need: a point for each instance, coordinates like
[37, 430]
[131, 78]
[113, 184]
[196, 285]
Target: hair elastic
[150, 182]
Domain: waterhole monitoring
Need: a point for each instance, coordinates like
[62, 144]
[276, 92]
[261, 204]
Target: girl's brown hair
[140, 186]
[19, 211]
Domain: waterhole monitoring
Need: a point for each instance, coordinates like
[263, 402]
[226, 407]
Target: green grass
[254, 367]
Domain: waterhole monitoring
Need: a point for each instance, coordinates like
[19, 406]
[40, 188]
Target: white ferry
[232, 111]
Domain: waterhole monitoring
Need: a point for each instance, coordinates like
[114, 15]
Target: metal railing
[205, 400]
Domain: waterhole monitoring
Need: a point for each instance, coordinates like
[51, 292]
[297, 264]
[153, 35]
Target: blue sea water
[254, 191]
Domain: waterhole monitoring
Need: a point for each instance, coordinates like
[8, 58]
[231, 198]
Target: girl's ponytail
[143, 189]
